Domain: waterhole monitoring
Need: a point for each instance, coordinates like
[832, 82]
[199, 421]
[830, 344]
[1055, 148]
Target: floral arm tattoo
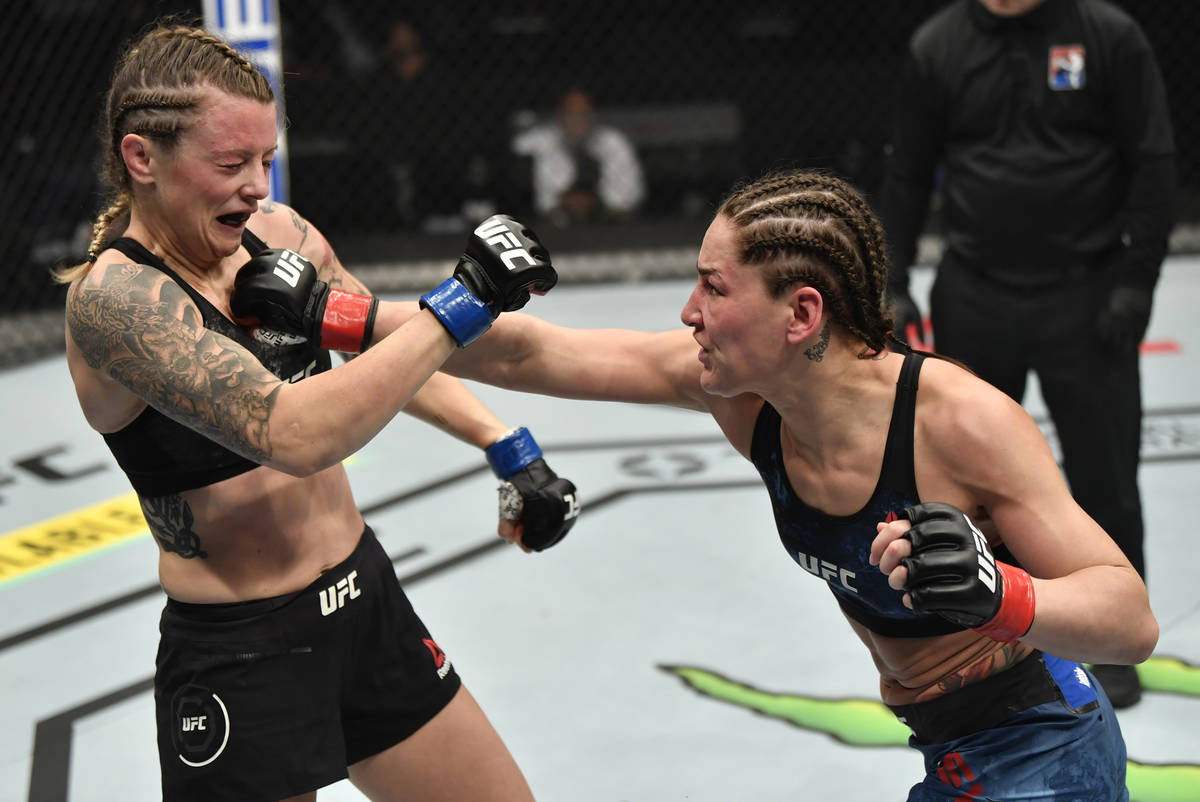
[139, 327]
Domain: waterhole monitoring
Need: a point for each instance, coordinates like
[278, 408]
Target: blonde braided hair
[156, 89]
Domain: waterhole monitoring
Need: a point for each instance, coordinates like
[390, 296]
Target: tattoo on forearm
[140, 328]
[170, 519]
[816, 352]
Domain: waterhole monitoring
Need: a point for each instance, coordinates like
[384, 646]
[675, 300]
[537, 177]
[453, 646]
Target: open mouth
[234, 220]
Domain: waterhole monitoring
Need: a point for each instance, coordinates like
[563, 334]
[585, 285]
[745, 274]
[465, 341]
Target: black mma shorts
[270, 698]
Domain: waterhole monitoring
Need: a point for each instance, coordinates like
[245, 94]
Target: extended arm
[137, 326]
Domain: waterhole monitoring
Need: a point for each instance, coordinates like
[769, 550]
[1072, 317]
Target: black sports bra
[836, 548]
[161, 456]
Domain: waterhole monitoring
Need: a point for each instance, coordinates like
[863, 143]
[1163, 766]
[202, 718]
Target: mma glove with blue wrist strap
[546, 505]
[503, 262]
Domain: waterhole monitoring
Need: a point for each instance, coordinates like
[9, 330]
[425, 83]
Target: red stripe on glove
[1015, 616]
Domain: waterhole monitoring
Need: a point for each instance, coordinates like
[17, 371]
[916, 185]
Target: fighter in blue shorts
[893, 476]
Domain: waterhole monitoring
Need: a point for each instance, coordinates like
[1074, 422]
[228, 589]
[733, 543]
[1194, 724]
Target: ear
[807, 309]
[136, 150]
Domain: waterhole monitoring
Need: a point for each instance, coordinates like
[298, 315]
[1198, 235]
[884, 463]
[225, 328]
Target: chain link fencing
[409, 121]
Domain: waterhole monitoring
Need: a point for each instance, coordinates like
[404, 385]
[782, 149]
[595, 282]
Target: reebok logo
[289, 266]
[334, 597]
[439, 657]
[497, 234]
[987, 563]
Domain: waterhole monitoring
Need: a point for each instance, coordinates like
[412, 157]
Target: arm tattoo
[170, 520]
[139, 327]
[816, 351]
[302, 226]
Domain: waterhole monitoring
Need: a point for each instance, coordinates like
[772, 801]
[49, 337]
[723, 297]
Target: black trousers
[1093, 395]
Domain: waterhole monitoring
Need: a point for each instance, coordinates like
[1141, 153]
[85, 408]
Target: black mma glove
[530, 492]
[279, 290]
[905, 313]
[504, 261]
[1123, 319]
[952, 572]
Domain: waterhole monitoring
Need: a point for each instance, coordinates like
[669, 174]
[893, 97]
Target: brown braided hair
[156, 89]
[814, 228]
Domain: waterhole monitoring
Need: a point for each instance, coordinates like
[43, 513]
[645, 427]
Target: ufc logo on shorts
[289, 266]
[987, 563]
[193, 723]
[498, 235]
[334, 597]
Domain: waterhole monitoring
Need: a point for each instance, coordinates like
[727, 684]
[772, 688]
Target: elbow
[1147, 638]
[297, 455]
[301, 466]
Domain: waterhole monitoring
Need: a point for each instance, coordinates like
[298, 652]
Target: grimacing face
[740, 329]
[212, 181]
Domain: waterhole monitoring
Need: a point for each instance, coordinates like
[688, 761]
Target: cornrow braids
[157, 86]
[814, 228]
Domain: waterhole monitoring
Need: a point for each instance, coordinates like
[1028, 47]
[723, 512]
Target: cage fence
[407, 122]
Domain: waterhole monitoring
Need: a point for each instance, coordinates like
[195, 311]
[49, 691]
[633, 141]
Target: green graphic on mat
[864, 722]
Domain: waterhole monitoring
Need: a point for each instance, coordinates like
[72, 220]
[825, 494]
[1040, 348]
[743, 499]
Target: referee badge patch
[1066, 67]
[201, 725]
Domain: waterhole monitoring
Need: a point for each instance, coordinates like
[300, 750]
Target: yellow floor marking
[67, 537]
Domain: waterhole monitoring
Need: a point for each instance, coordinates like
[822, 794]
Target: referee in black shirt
[1043, 124]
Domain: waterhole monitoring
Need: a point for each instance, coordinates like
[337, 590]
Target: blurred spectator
[431, 146]
[581, 170]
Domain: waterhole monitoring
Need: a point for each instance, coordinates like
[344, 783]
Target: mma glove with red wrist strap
[953, 573]
[279, 290]
[530, 492]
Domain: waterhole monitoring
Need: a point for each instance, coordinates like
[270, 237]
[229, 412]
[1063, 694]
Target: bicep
[1014, 474]
[139, 328]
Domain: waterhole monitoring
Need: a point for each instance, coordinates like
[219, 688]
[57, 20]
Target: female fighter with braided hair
[289, 656]
[908, 473]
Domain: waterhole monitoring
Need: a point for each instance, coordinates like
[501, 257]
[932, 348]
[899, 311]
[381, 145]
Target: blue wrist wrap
[512, 453]
[464, 316]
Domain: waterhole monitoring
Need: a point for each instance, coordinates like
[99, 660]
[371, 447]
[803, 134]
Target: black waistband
[242, 610]
[982, 704]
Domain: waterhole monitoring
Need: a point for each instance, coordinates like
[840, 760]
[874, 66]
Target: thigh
[980, 325]
[396, 677]
[231, 725]
[1094, 400]
[457, 755]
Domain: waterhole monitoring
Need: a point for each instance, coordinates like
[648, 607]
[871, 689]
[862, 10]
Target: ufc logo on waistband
[289, 266]
[497, 234]
[333, 598]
